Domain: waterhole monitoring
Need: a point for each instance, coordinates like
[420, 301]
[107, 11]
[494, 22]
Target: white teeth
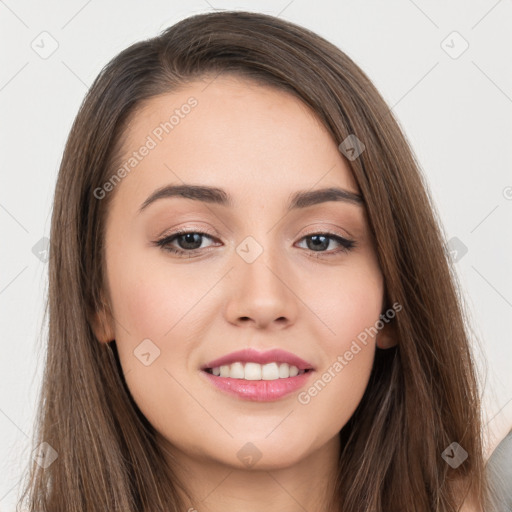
[270, 371]
[284, 370]
[236, 371]
[255, 371]
[252, 371]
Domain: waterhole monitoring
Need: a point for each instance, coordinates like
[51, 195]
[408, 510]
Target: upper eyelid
[172, 236]
[212, 233]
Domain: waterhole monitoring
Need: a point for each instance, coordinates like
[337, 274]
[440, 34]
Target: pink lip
[251, 355]
[259, 390]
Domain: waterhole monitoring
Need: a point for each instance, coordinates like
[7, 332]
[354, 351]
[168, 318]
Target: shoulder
[498, 428]
[499, 473]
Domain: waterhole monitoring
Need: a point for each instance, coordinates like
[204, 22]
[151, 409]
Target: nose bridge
[260, 259]
[261, 285]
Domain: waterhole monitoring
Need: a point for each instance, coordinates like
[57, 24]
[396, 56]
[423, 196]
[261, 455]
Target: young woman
[250, 306]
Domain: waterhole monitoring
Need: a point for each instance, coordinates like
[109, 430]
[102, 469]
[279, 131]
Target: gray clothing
[499, 471]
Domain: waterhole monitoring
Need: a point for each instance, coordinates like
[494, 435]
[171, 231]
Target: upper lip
[251, 355]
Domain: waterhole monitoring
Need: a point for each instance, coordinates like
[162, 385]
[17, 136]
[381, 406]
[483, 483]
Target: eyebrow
[214, 195]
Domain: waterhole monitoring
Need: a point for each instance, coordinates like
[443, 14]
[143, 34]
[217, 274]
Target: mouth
[254, 371]
[258, 363]
[258, 376]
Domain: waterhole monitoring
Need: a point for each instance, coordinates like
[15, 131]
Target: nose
[261, 293]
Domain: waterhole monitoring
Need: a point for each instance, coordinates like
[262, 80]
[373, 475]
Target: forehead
[232, 133]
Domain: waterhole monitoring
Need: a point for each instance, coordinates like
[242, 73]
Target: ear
[387, 336]
[103, 325]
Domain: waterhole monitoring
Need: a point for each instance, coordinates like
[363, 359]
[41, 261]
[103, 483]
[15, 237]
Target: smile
[256, 371]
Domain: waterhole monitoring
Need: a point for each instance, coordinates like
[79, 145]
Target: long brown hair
[422, 395]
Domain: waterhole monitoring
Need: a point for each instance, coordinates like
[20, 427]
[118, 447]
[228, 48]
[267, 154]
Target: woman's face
[263, 271]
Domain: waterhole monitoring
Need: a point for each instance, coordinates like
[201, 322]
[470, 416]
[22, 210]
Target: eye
[317, 242]
[190, 243]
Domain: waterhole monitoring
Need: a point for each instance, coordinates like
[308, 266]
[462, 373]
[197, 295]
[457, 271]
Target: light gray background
[454, 111]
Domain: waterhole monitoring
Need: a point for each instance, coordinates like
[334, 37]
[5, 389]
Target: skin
[260, 145]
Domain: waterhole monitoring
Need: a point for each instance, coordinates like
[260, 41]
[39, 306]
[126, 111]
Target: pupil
[316, 242]
[189, 239]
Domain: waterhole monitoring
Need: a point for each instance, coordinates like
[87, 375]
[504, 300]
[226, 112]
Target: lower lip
[259, 390]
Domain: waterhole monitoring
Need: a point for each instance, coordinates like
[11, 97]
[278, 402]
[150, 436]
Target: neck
[213, 486]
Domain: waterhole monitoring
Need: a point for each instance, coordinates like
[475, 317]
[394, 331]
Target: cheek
[151, 304]
[337, 389]
[150, 299]
[164, 304]
[349, 305]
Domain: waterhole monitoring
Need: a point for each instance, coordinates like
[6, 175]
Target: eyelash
[345, 243]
